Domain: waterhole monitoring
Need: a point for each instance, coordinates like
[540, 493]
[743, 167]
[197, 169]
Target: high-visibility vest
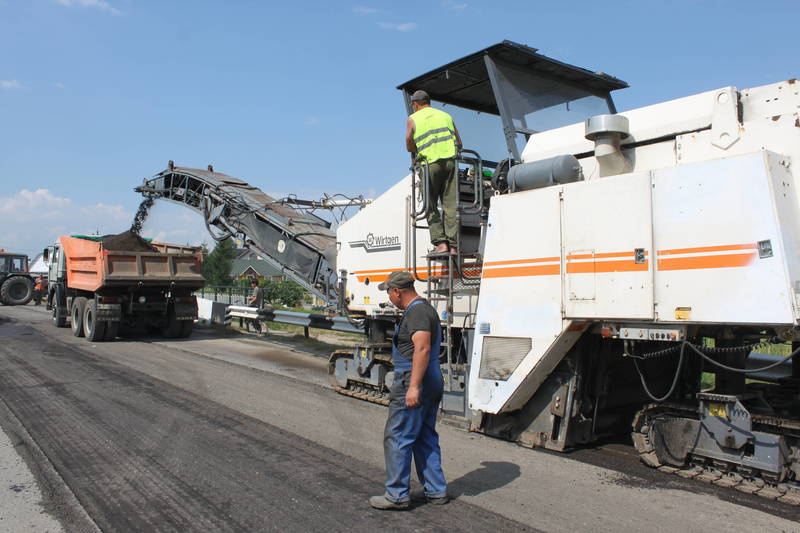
[434, 134]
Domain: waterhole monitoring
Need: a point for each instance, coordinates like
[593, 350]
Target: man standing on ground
[256, 300]
[414, 400]
[431, 134]
[38, 290]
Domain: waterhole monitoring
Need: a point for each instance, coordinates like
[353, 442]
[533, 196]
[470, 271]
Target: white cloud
[33, 219]
[26, 201]
[311, 120]
[102, 5]
[10, 84]
[59, 85]
[365, 10]
[403, 26]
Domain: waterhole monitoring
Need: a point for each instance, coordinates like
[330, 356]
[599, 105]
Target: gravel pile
[127, 241]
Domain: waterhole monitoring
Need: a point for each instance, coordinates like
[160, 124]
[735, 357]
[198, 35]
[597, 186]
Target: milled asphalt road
[231, 434]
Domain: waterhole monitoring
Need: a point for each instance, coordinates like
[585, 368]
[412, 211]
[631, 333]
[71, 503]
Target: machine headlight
[142, 299]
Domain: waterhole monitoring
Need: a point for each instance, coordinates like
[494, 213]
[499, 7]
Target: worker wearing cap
[432, 136]
[414, 399]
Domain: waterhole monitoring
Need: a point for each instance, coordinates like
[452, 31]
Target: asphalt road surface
[239, 434]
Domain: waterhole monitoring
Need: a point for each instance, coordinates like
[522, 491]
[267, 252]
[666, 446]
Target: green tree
[217, 264]
[289, 293]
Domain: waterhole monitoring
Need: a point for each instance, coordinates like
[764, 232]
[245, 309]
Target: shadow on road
[491, 475]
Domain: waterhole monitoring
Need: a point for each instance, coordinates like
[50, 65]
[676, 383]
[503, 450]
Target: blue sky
[299, 97]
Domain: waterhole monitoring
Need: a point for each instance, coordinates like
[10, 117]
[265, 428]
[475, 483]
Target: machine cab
[12, 263]
[501, 95]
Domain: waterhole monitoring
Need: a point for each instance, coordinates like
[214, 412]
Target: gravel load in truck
[126, 241]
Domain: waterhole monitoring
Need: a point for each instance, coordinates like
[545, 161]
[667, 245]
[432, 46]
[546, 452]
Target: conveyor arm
[300, 244]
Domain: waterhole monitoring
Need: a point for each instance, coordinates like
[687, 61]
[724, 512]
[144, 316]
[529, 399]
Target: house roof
[38, 266]
[262, 268]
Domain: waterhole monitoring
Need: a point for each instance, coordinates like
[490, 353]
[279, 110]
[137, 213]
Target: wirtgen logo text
[377, 243]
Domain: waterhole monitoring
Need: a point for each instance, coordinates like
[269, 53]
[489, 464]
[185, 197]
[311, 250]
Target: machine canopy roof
[466, 82]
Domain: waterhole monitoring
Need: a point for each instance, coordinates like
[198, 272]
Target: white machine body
[377, 241]
[703, 228]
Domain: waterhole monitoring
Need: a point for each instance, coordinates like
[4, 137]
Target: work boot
[441, 248]
[420, 496]
[380, 502]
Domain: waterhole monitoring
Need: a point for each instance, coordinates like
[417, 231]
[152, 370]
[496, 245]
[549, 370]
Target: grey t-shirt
[258, 294]
[420, 317]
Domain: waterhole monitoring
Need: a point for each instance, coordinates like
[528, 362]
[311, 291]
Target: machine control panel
[636, 333]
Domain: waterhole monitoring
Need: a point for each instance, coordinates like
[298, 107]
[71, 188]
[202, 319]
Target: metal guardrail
[308, 320]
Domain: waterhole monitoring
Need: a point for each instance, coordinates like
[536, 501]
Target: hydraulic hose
[674, 380]
[705, 357]
[742, 370]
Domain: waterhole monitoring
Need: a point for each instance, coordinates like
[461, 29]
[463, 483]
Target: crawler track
[362, 391]
[719, 473]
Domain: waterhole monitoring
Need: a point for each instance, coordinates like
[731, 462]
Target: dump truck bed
[90, 267]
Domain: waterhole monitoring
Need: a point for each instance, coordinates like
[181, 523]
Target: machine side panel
[520, 297]
[784, 192]
[718, 244]
[608, 248]
[377, 241]
[372, 244]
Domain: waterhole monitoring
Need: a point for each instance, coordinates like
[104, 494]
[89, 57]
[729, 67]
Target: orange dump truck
[100, 287]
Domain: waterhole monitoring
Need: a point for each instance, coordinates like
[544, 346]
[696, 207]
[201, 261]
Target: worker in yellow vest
[432, 135]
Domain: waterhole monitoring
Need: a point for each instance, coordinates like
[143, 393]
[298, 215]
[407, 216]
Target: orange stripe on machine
[605, 262]
[704, 257]
[628, 265]
[527, 270]
[701, 249]
[706, 261]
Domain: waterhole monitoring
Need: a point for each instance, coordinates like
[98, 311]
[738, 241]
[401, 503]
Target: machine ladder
[449, 275]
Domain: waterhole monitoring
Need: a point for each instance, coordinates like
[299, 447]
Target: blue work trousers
[411, 432]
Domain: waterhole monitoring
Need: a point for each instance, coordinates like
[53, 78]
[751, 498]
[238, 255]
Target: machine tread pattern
[362, 391]
[721, 474]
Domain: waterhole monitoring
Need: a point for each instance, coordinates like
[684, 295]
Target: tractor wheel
[17, 290]
[94, 330]
[76, 315]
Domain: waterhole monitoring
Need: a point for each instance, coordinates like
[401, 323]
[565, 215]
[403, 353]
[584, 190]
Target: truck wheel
[112, 329]
[59, 311]
[173, 328]
[59, 317]
[76, 315]
[186, 328]
[17, 290]
[94, 330]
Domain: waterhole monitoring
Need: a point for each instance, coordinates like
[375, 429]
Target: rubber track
[782, 492]
[361, 391]
[369, 397]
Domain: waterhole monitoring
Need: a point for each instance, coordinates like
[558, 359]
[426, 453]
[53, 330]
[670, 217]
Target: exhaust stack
[607, 131]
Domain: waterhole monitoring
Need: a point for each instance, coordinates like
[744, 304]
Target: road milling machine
[616, 272]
